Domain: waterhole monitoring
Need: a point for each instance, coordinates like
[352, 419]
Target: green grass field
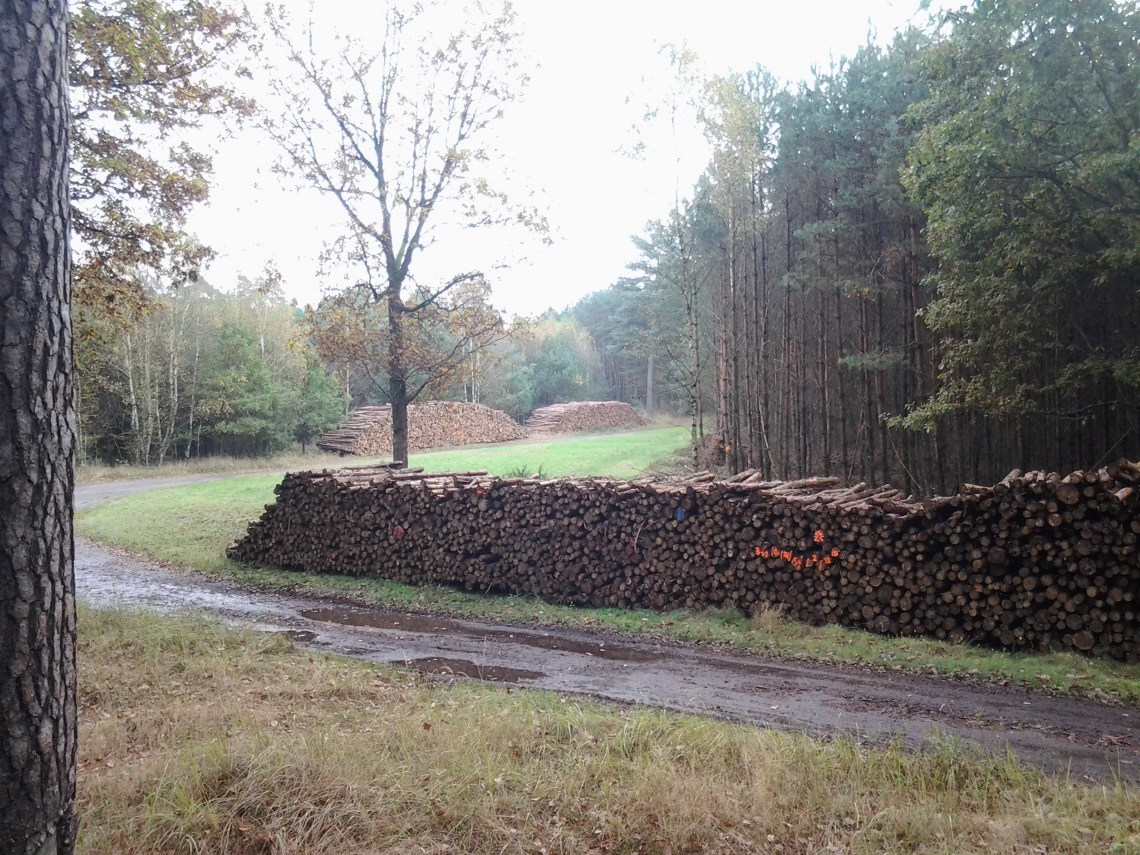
[625, 454]
[191, 526]
[621, 453]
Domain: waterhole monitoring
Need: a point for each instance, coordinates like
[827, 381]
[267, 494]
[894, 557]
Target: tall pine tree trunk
[649, 387]
[735, 454]
[37, 437]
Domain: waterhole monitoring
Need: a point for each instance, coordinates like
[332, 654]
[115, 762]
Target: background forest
[920, 266]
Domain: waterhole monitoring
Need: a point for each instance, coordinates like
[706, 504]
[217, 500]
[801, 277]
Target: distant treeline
[193, 371]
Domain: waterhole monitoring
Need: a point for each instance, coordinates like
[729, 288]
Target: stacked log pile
[361, 433]
[431, 424]
[583, 415]
[1036, 561]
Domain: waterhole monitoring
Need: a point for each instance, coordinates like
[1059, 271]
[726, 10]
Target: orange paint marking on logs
[820, 560]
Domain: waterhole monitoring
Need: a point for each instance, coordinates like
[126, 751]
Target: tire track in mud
[1059, 734]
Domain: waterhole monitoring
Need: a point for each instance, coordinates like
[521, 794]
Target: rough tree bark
[397, 376]
[37, 437]
[649, 403]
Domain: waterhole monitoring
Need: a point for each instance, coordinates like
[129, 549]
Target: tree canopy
[1028, 168]
[919, 265]
[141, 73]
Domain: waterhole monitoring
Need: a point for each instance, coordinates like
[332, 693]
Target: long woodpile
[431, 424]
[1036, 561]
[583, 415]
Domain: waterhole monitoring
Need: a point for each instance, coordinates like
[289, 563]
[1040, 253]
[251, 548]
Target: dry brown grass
[772, 621]
[314, 458]
[197, 739]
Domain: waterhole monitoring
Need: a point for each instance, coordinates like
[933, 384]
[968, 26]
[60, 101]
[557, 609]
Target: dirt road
[1089, 740]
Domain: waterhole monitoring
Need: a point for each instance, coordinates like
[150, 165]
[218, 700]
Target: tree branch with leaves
[142, 73]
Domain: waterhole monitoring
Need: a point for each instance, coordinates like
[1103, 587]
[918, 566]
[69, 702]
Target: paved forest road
[1087, 739]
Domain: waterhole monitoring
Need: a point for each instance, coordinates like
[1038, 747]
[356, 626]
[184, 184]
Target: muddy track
[1089, 740]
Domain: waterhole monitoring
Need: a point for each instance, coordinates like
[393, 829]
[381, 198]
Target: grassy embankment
[199, 739]
[191, 526]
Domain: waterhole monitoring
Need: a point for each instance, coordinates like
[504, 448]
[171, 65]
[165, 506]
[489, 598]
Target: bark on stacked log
[431, 424]
[583, 415]
[1036, 561]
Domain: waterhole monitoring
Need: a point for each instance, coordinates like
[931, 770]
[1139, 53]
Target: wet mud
[379, 619]
[404, 622]
[451, 668]
[299, 635]
[1059, 734]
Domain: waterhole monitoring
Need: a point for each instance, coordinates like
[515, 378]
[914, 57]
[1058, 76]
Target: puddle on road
[381, 620]
[466, 668]
[748, 668]
[593, 648]
[422, 623]
[298, 635]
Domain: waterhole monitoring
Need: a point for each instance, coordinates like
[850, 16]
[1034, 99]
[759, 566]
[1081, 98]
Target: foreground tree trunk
[37, 437]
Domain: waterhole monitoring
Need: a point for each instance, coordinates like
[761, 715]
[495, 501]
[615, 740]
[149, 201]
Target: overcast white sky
[595, 66]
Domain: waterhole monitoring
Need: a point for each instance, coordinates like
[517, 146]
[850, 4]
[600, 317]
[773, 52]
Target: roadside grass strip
[197, 738]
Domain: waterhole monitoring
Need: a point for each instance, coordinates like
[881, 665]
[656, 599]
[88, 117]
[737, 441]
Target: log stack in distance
[431, 424]
[1037, 561]
[583, 415]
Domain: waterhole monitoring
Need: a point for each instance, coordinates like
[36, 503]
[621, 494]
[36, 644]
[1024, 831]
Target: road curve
[1059, 734]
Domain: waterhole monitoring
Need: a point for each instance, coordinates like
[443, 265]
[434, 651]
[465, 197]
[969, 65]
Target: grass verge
[196, 738]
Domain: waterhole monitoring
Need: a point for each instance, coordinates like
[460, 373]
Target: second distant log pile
[583, 415]
[1036, 561]
[431, 424]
